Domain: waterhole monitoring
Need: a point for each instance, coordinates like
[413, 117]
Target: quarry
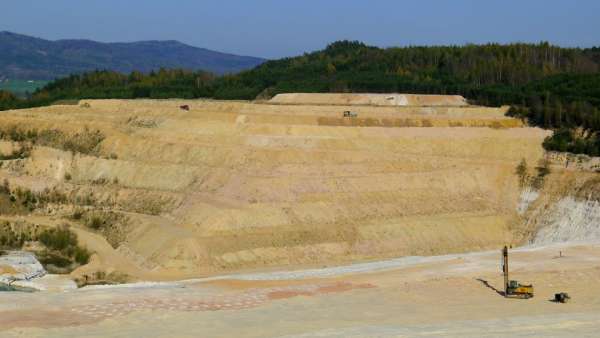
[245, 210]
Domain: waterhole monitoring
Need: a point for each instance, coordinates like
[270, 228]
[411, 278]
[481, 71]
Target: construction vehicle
[512, 288]
[562, 297]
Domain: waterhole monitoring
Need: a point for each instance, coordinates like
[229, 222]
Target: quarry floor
[258, 188]
[437, 296]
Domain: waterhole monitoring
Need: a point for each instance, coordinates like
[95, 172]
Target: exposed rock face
[22, 271]
[235, 185]
[570, 220]
[19, 266]
[566, 207]
[528, 196]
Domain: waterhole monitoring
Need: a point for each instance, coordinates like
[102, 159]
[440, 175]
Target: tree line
[550, 86]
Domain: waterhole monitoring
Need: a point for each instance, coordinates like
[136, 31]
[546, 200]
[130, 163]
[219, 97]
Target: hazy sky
[275, 28]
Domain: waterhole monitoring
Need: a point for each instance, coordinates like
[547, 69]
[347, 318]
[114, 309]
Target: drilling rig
[512, 288]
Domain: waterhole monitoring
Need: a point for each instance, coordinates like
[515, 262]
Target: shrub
[77, 214]
[95, 222]
[58, 239]
[52, 258]
[543, 170]
[5, 187]
[81, 255]
[521, 171]
[62, 248]
[113, 226]
[559, 141]
[85, 142]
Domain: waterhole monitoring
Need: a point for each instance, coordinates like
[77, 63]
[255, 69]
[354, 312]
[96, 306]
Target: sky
[279, 28]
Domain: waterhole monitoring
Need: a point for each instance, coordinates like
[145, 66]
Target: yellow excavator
[512, 288]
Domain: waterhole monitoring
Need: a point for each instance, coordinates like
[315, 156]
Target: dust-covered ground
[454, 295]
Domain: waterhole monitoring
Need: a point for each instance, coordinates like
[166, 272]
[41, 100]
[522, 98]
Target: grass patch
[9, 203]
[150, 205]
[20, 201]
[113, 226]
[34, 200]
[86, 141]
[12, 238]
[141, 123]
[21, 152]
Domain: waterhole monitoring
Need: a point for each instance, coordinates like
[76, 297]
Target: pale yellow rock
[244, 185]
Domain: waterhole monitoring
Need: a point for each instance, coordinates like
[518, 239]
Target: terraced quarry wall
[241, 185]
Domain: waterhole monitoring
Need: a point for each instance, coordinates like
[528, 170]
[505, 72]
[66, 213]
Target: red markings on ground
[287, 294]
[320, 289]
[248, 299]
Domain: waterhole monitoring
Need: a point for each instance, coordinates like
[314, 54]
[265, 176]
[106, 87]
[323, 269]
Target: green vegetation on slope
[9, 100]
[85, 141]
[62, 248]
[550, 86]
[60, 251]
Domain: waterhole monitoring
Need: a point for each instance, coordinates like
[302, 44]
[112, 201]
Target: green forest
[551, 87]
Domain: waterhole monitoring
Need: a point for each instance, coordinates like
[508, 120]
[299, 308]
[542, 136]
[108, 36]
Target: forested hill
[490, 74]
[480, 72]
[28, 58]
[550, 86]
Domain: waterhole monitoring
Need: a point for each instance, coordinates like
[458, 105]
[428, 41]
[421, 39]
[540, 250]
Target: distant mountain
[24, 57]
